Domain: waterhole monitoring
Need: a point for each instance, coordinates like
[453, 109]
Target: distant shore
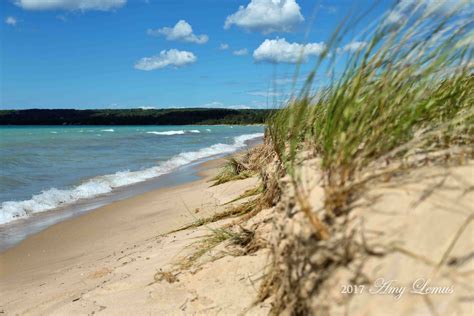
[184, 116]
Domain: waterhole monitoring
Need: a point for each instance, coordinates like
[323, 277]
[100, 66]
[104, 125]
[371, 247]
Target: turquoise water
[46, 167]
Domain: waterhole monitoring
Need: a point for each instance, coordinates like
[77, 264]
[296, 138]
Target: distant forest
[187, 116]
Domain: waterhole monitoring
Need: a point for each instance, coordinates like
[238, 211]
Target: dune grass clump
[204, 246]
[408, 89]
[234, 169]
[245, 165]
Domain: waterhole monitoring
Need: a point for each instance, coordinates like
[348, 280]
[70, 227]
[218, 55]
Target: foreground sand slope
[106, 261]
[406, 247]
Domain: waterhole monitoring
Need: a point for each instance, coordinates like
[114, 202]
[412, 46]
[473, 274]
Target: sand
[405, 247]
[106, 260]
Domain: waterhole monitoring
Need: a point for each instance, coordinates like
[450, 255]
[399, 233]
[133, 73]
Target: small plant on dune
[232, 170]
[204, 246]
[232, 211]
[245, 165]
[248, 193]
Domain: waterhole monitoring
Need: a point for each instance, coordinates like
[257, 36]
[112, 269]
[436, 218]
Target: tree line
[185, 116]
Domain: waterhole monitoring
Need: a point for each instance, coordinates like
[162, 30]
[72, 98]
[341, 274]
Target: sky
[89, 54]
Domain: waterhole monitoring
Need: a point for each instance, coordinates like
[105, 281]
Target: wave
[107, 130]
[54, 198]
[180, 132]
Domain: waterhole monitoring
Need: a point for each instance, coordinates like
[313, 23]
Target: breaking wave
[181, 132]
[54, 198]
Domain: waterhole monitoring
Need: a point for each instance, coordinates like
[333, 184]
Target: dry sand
[106, 260]
[405, 248]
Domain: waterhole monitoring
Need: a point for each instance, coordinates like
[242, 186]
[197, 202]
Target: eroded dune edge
[260, 243]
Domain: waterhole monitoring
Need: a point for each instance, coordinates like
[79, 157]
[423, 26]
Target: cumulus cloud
[280, 51]
[266, 16]
[224, 46]
[182, 31]
[172, 57]
[10, 20]
[240, 52]
[352, 47]
[101, 5]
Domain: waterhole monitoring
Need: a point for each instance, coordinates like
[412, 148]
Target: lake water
[49, 167]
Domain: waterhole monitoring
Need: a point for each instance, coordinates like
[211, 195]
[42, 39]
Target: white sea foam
[180, 132]
[54, 198]
[107, 130]
[167, 133]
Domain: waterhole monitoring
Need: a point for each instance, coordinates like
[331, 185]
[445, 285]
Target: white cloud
[61, 17]
[147, 107]
[267, 16]
[172, 57]
[240, 52]
[182, 31]
[352, 47]
[239, 107]
[266, 93]
[280, 51]
[218, 104]
[328, 8]
[214, 104]
[224, 46]
[101, 5]
[10, 20]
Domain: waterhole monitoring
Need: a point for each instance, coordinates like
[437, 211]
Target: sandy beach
[284, 158]
[117, 247]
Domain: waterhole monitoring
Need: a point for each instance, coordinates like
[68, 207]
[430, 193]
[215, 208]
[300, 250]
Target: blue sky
[136, 53]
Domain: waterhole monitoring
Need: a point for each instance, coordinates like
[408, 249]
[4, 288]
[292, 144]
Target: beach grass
[233, 169]
[204, 246]
[407, 90]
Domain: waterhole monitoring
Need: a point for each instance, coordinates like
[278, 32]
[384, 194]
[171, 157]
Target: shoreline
[15, 232]
[124, 243]
[43, 238]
